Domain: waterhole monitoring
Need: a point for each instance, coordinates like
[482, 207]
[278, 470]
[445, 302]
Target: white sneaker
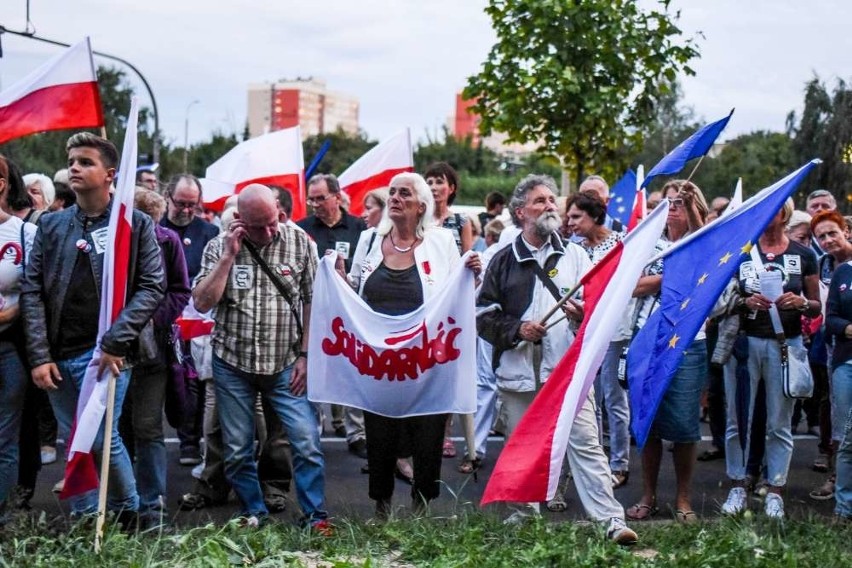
[774, 506]
[736, 502]
[619, 533]
[196, 471]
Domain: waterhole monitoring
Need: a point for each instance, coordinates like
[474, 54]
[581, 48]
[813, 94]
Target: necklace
[398, 249]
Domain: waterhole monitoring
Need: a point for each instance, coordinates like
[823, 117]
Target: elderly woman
[585, 218]
[800, 295]
[41, 191]
[677, 418]
[374, 206]
[397, 266]
[832, 235]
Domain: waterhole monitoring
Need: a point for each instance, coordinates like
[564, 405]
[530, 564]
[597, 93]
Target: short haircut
[446, 171]
[329, 179]
[17, 197]
[150, 202]
[526, 185]
[105, 148]
[285, 198]
[141, 171]
[493, 228]
[177, 178]
[820, 193]
[833, 216]
[494, 199]
[64, 194]
[590, 202]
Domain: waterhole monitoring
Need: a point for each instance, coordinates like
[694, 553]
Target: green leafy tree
[582, 78]
[202, 154]
[461, 153]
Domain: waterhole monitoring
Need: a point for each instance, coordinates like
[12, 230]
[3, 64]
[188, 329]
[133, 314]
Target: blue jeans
[841, 398]
[610, 393]
[236, 393]
[13, 385]
[148, 393]
[122, 485]
[843, 487]
[764, 364]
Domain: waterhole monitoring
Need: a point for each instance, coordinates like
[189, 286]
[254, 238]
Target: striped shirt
[255, 330]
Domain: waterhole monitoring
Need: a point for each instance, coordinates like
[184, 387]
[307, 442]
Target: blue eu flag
[696, 271]
[621, 196]
[693, 147]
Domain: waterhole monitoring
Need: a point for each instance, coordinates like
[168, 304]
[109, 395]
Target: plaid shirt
[255, 330]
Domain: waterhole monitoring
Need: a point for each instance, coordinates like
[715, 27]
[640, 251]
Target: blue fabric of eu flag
[696, 271]
[621, 196]
[693, 147]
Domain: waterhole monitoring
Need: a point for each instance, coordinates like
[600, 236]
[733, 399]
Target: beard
[546, 223]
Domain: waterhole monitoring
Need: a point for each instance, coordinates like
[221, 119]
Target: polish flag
[376, 168]
[271, 159]
[640, 201]
[193, 323]
[80, 473]
[62, 93]
[529, 467]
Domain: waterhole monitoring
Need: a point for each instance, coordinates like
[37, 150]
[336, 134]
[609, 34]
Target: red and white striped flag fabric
[640, 208]
[271, 159]
[376, 168]
[193, 323]
[529, 467]
[80, 473]
[62, 93]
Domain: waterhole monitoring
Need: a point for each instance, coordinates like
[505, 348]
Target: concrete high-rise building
[304, 102]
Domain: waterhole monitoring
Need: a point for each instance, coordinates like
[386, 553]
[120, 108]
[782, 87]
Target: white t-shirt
[13, 259]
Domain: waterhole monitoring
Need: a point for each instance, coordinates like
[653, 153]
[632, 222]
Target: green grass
[470, 539]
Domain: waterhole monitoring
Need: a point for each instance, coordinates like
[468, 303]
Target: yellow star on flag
[746, 249]
[725, 258]
[703, 278]
[673, 341]
[684, 304]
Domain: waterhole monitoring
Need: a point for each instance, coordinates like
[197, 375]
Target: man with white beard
[521, 284]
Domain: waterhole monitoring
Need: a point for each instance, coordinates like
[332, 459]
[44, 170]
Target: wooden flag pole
[560, 303]
[692, 173]
[105, 459]
[103, 132]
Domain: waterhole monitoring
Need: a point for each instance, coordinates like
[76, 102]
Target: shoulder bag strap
[278, 285]
[545, 278]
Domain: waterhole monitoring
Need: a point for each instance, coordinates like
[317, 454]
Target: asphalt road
[346, 488]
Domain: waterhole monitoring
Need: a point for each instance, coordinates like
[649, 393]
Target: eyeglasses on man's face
[183, 204]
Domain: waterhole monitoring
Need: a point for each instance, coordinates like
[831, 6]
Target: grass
[469, 539]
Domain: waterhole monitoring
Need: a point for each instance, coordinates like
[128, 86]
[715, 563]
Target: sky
[406, 59]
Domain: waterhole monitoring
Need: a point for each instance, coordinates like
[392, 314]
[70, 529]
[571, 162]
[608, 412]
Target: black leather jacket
[49, 270]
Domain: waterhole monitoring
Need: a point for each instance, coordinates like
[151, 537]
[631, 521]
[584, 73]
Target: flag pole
[105, 459]
[692, 173]
[103, 132]
[561, 302]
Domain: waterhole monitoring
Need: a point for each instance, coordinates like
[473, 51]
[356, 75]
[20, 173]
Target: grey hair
[526, 185]
[424, 196]
[329, 179]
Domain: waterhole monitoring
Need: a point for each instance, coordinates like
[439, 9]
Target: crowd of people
[244, 385]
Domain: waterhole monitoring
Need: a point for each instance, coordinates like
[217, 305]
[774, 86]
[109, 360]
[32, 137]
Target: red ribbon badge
[426, 268]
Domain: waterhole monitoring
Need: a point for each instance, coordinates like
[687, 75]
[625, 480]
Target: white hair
[424, 196]
[47, 189]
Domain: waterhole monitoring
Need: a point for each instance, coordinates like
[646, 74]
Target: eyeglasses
[318, 199]
[183, 204]
[676, 203]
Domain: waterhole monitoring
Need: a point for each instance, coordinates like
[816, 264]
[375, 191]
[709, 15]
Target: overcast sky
[405, 59]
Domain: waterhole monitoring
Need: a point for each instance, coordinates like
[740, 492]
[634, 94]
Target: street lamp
[186, 136]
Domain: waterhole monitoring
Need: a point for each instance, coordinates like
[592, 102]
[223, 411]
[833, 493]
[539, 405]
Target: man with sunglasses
[183, 202]
[332, 228]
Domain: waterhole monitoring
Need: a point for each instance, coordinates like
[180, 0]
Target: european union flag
[621, 196]
[693, 147]
[696, 271]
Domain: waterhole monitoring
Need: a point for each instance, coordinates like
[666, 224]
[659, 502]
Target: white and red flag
[271, 159]
[414, 364]
[193, 323]
[529, 467]
[80, 473]
[376, 168]
[62, 93]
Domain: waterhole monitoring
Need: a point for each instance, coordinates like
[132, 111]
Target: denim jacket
[49, 270]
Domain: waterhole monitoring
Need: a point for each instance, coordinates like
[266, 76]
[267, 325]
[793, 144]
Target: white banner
[419, 363]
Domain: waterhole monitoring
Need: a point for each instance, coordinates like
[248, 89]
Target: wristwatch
[303, 354]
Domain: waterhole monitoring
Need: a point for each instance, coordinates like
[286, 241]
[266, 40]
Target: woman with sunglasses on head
[678, 417]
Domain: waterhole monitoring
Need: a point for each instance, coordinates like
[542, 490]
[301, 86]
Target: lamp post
[186, 135]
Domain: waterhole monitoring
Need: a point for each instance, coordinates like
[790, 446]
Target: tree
[582, 78]
[461, 153]
[672, 123]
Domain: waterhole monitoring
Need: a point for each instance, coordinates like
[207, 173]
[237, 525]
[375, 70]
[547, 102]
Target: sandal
[557, 505]
[448, 449]
[686, 517]
[824, 492]
[619, 478]
[468, 466]
[641, 512]
[821, 464]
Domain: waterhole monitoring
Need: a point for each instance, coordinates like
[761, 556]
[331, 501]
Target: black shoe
[190, 456]
[359, 448]
[710, 455]
[340, 432]
[128, 521]
[275, 502]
